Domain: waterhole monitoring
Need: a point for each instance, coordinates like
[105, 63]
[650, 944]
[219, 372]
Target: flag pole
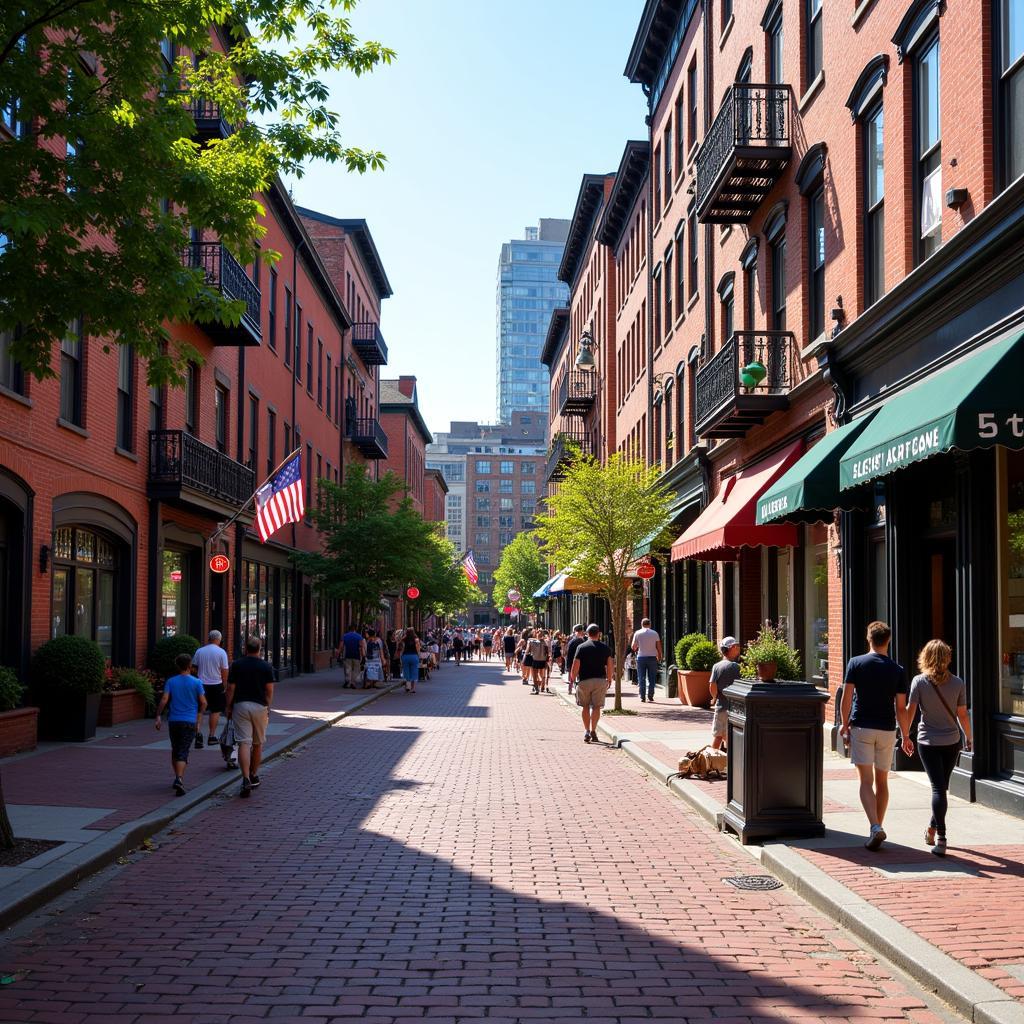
[223, 526]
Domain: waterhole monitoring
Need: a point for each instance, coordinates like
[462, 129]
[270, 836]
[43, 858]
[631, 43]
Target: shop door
[218, 604]
[938, 590]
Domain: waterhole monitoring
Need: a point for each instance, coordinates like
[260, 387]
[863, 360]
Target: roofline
[558, 327]
[359, 229]
[633, 171]
[438, 475]
[658, 24]
[582, 220]
[413, 412]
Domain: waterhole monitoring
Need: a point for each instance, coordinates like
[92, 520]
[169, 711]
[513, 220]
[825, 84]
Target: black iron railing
[750, 363]
[224, 272]
[751, 116]
[564, 447]
[369, 343]
[176, 458]
[207, 116]
[578, 390]
[366, 432]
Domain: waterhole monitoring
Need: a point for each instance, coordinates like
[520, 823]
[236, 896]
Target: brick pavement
[458, 855]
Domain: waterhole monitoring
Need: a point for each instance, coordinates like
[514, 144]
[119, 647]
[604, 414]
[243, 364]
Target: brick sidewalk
[968, 905]
[456, 856]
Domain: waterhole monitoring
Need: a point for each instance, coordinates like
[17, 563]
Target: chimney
[407, 385]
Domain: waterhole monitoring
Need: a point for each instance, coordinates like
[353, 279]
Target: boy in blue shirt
[184, 694]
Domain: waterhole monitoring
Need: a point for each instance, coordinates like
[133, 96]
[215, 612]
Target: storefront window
[173, 591]
[1012, 583]
[816, 601]
[84, 602]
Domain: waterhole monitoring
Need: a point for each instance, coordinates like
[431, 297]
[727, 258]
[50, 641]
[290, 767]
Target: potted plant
[18, 725]
[683, 645]
[695, 689]
[129, 693]
[67, 680]
[769, 656]
[161, 658]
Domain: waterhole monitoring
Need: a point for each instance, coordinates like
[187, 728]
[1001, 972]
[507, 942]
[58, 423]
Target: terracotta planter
[117, 706]
[767, 670]
[18, 730]
[695, 688]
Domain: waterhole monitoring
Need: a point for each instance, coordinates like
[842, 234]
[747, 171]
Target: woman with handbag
[944, 730]
[374, 660]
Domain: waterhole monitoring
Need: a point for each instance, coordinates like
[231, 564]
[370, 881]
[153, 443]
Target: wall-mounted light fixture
[44, 559]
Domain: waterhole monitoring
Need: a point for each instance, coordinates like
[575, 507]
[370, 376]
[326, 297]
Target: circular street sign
[507, 610]
[220, 563]
[175, 575]
[412, 593]
[646, 570]
[514, 595]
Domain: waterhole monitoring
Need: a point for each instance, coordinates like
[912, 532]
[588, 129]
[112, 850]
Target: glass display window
[1010, 506]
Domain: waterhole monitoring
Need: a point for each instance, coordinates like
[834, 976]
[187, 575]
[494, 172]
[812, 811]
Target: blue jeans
[647, 668]
[411, 668]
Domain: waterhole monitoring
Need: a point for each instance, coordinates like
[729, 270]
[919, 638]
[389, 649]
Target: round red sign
[507, 610]
[220, 563]
[175, 575]
[412, 593]
[646, 570]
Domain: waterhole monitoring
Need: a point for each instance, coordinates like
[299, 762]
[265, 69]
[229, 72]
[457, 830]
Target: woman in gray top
[942, 698]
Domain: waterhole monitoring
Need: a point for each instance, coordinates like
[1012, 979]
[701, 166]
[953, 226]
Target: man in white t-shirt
[647, 648]
[211, 665]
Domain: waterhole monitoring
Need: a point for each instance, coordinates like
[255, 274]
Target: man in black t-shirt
[578, 637]
[249, 694]
[874, 696]
[592, 672]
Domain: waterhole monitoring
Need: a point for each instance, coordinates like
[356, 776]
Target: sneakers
[593, 736]
[586, 737]
[254, 781]
[179, 785]
[199, 742]
[643, 700]
[876, 838]
[212, 741]
[246, 788]
[939, 849]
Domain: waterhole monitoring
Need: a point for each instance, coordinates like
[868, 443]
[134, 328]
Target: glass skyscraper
[528, 291]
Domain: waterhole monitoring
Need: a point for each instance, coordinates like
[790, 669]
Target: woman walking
[556, 653]
[537, 652]
[508, 647]
[488, 644]
[942, 698]
[523, 656]
[374, 659]
[410, 659]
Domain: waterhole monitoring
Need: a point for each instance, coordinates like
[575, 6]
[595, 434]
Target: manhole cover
[754, 883]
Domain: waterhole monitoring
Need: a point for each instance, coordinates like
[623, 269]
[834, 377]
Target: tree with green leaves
[596, 522]
[444, 588]
[372, 541]
[103, 179]
[522, 568]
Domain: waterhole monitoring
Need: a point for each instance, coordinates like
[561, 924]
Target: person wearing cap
[210, 664]
[724, 673]
[578, 637]
[592, 672]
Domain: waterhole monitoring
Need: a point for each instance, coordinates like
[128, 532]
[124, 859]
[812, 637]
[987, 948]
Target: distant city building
[528, 289]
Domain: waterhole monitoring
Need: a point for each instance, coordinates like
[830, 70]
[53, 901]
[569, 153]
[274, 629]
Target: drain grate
[754, 883]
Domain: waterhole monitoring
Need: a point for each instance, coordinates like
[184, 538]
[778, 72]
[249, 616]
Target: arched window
[85, 567]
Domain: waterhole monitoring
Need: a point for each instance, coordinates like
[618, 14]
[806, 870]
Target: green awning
[809, 490]
[976, 403]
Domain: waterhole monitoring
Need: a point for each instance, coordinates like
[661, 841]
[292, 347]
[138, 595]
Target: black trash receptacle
[776, 749]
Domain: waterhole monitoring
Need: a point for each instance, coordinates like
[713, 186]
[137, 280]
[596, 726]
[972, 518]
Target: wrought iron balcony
[182, 468]
[209, 123]
[743, 383]
[743, 155]
[565, 447]
[366, 433]
[369, 344]
[577, 392]
[224, 272]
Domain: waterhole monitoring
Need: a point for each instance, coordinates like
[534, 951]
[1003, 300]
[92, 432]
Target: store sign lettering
[988, 425]
[774, 507]
[919, 446]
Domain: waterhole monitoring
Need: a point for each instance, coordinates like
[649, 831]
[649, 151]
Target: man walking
[211, 665]
[647, 648]
[184, 694]
[591, 670]
[874, 697]
[578, 637]
[353, 647]
[250, 692]
[723, 673]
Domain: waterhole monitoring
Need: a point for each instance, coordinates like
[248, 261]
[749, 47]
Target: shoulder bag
[952, 713]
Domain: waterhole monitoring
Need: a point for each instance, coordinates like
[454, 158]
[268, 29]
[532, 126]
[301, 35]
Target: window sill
[726, 232]
[125, 454]
[679, 320]
[693, 301]
[858, 15]
[73, 427]
[812, 90]
[16, 396]
[692, 155]
[726, 30]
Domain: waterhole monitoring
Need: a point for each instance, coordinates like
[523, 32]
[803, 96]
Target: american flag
[279, 500]
[469, 567]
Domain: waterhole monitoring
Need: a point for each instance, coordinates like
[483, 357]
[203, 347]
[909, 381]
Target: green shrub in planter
[702, 656]
[135, 679]
[161, 661]
[771, 645]
[11, 691]
[68, 665]
[683, 645]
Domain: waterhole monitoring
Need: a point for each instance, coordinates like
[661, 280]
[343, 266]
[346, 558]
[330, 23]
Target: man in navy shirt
[874, 696]
[353, 647]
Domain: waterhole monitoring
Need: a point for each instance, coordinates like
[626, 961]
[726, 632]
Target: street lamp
[585, 359]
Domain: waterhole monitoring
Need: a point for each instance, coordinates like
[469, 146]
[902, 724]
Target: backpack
[704, 763]
[537, 650]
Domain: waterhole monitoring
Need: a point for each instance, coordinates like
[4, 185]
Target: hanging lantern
[752, 374]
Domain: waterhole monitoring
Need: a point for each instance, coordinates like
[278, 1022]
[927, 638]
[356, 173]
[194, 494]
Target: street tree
[595, 524]
[102, 179]
[522, 568]
[372, 541]
[444, 587]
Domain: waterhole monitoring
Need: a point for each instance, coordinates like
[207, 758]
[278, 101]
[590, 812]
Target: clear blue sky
[489, 117]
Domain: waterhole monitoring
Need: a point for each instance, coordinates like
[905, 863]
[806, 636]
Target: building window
[874, 206]
[483, 467]
[928, 152]
[272, 311]
[816, 262]
[657, 308]
[85, 566]
[691, 230]
[254, 431]
[816, 600]
[656, 168]
[680, 267]
[691, 93]
[11, 375]
[777, 312]
[749, 295]
[287, 326]
[668, 423]
[484, 521]
[506, 504]
[320, 373]
[329, 372]
[726, 295]
[309, 478]
[527, 486]
[726, 12]
[507, 468]
[1011, 87]
[483, 504]
[526, 505]
[483, 487]
[507, 486]
[1010, 516]
[680, 132]
[773, 34]
[309, 358]
[156, 407]
[483, 540]
[668, 292]
[528, 468]
[271, 441]
[220, 417]
[71, 373]
[812, 42]
[192, 398]
[667, 149]
[125, 396]
[297, 337]
[288, 438]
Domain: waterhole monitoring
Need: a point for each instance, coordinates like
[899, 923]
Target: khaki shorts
[720, 725]
[590, 693]
[250, 721]
[873, 746]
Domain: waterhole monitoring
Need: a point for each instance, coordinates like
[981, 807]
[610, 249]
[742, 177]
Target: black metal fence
[178, 458]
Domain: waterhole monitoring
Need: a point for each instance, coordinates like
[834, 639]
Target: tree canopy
[444, 588]
[103, 178]
[596, 523]
[522, 568]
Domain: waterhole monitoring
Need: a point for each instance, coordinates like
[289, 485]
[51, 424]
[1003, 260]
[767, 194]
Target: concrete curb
[22, 897]
[971, 995]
